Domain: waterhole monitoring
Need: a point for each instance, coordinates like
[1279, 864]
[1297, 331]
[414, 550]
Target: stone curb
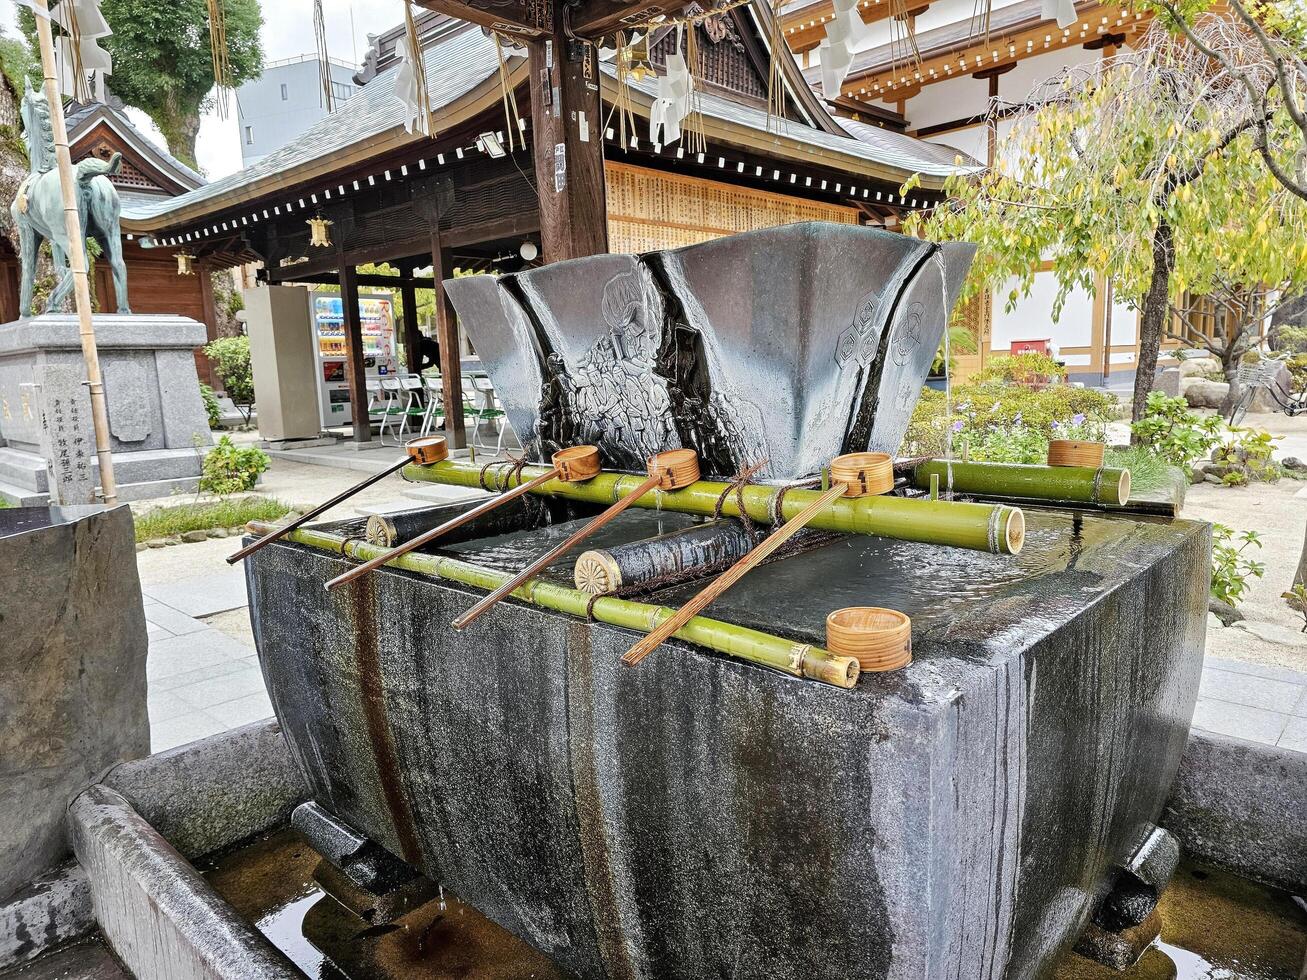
[1239, 805]
[163, 920]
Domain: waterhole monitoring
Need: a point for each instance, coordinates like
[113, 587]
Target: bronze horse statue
[38, 211]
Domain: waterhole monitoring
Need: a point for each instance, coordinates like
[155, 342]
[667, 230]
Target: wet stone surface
[270, 883]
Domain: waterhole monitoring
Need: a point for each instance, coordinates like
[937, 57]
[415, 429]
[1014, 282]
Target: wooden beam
[567, 142]
[451, 369]
[805, 28]
[355, 373]
[593, 18]
[506, 16]
[905, 79]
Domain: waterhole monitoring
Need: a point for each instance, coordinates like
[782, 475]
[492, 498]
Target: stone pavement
[1253, 702]
[201, 680]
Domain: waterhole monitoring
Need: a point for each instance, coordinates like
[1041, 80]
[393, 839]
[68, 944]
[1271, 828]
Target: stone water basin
[964, 814]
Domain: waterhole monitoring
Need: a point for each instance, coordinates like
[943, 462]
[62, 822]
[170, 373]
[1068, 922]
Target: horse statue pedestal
[157, 423]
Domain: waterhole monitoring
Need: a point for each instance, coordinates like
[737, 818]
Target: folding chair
[435, 414]
[414, 410]
[491, 411]
[394, 409]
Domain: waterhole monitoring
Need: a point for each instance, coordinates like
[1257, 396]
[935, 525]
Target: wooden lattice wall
[650, 209]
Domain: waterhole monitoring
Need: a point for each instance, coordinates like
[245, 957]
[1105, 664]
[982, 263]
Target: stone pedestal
[158, 427]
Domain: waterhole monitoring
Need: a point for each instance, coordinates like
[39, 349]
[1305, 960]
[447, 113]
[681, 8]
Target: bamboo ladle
[576, 464]
[852, 475]
[424, 452]
[669, 470]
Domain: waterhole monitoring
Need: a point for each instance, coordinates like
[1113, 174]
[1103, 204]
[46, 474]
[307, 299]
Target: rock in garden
[1206, 394]
[1168, 382]
[218, 532]
[1213, 623]
[1223, 611]
[1293, 463]
[173, 539]
[191, 537]
[1213, 478]
[1271, 633]
[1197, 366]
[156, 543]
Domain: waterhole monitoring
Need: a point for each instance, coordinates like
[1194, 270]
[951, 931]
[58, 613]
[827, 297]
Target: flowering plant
[1079, 427]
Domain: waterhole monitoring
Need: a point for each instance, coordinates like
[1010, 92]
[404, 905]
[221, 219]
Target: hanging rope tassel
[418, 65]
[218, 50]
[324, 62]
[776, 71]
[628, 58]
[512, 119]
[694, 139]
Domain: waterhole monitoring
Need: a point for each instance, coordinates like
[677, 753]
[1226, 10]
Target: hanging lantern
[185, 263]
[320, 231]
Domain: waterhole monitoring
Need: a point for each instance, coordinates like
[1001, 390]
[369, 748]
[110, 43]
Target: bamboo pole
[995, 528]
[76, 254]
[732, 575]
[1060, 484]
[788, 656]
[511, 584]
[427, 536]
[424, 452]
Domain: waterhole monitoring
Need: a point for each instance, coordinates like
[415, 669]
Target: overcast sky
[287, 31]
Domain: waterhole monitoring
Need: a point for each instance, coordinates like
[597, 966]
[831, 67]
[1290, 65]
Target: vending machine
[379, 360]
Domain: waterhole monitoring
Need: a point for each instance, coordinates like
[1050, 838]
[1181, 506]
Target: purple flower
[1078, 418]
[1016, 419]
[957, 426]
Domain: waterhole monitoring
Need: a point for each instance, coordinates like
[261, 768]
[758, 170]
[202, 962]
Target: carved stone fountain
[700, 816]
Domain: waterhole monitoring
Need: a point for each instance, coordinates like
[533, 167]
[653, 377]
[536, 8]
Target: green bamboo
[788, 656]
[980, 527]
[1061, 484]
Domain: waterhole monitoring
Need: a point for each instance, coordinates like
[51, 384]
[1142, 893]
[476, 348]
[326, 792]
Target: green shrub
[229, 468]
[999, 421]
[211, 407]
[1031, 368]
[1176, 433]
[1293, 339]
[231, 359]
[1245, 457]
[1148, 471]
[1231, 568]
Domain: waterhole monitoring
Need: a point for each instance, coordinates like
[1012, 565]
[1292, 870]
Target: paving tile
[1249, 689]
[1239, 721]
[1257, 670]
[179, 654]
[171, 682]
[176, 623]
[1294, 735]
[226, 687]
[153, 632]
[165, 706]
[203, 595]
[242, 711]
[1300, 709]
[185, 728]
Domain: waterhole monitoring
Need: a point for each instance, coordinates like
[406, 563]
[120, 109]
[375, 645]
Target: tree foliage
[162, 63]
[1143, 169]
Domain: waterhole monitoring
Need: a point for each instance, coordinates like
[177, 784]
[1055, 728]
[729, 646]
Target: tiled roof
[890, 141]
[459, 64]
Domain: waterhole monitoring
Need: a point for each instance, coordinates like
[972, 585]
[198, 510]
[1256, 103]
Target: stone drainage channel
[187, 867]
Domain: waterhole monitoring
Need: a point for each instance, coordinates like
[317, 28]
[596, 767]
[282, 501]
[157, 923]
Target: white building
[285, 100]
[945, 98]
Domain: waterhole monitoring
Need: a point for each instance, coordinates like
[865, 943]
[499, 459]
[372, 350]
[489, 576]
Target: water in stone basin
[793, 597]
[1214, 927]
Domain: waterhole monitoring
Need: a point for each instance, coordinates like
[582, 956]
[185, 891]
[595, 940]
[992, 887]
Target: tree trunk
[1156, 310]
[180, 127]
[1301, 574]
[1230, 368]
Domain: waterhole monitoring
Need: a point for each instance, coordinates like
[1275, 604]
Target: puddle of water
[270, 883]
[1215, 926]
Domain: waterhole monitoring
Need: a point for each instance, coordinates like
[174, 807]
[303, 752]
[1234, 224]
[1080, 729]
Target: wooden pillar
[408, 296]
[355, 373]
[567, 141]
[451, 370]
[204, 280]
